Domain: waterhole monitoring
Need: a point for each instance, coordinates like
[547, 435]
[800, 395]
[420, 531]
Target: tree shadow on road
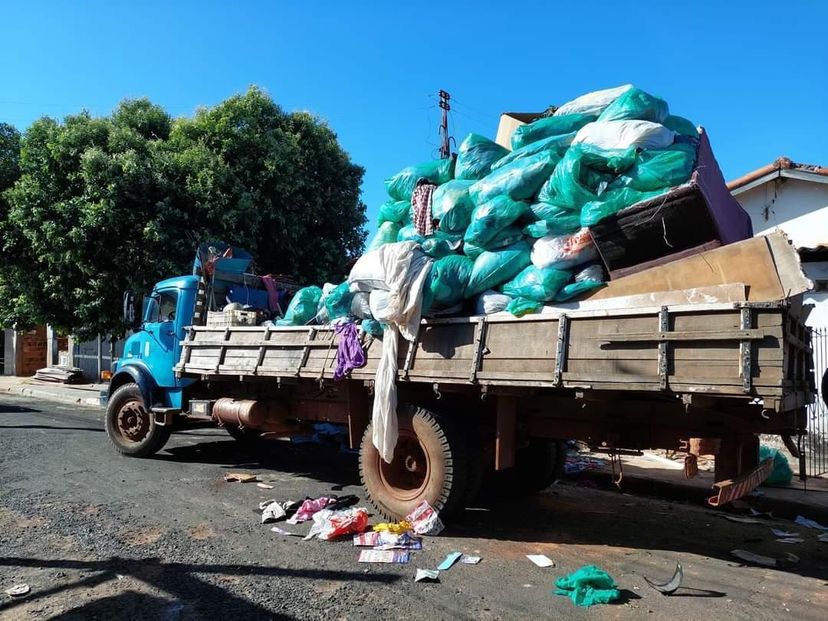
[190, 596]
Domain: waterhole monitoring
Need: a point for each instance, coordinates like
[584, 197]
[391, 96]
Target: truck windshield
[160, 307]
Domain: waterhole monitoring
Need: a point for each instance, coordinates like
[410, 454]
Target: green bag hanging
[302, 307]
[659, 169]
[636, 104]
[386, 234]
[395, 211]
[555, 144]
[493, 268]
[452, 205]
[401, 186]
[680, 125]
[523, 306]
[489, 218]
[449, 278]
[549, 126]
[538, 284]
[519, 180]
[475, 157]
[338, 301]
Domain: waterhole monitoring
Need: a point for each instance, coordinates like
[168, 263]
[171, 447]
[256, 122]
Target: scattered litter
[424, 520]
[765, 561]
[281, 531]
[383, 556]
[803, 521]
[823, 538]
[739, 519]
[470, 560]
[120, 576]
[404, 541]
[450, 560]
[395, 527]
[18, 589]
[783, 533]
[427, 575]
[264, 486]
[791, 540]
[587, 586]
[274, 510]
[541, 560]
[241, 477]
[672, 585]
[767, 515]
[575, 463]
[328, 524]
[369, 539]
[308, 508]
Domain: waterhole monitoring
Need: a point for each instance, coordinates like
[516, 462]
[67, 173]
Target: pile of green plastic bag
[497, 212]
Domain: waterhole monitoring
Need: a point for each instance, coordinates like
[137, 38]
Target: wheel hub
[133, 421]
[407, 474]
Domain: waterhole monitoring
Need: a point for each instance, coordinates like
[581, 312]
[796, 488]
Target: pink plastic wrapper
[308, 508]
[425, 520]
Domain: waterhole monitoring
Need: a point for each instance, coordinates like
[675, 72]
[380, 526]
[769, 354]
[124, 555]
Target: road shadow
[52, 428]
[6, 408]
[190, 595]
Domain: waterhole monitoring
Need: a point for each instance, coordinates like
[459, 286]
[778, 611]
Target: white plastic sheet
[594, 102]
[625, 134]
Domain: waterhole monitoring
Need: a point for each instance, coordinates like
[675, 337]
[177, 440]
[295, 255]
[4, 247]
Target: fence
[95, 356]
[816, 442]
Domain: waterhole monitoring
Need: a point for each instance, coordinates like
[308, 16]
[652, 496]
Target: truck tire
[537, 466]
[430, 463]
[130, 426]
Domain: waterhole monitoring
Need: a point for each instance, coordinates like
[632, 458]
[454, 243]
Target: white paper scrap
[541, 560]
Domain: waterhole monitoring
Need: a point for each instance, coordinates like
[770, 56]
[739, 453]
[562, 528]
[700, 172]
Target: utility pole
[445, 143]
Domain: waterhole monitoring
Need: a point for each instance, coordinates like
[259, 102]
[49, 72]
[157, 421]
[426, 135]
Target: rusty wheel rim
[132, 421]
[406, 476]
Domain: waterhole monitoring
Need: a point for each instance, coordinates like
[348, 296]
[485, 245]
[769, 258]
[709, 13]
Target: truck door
[161, 349]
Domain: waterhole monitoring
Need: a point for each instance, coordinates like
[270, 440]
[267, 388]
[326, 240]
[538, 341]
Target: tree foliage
[107, 204]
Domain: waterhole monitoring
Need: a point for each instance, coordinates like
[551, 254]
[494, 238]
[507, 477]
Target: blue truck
[718, 361]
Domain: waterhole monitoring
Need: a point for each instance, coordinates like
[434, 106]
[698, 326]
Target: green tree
[107, 204]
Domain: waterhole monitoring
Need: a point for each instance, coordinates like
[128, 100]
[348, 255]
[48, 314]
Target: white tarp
[594, 102]
[625, 134]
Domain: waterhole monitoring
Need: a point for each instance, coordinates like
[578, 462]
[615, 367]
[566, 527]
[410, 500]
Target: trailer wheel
[536, 467]
[430, 463]
[130, 426]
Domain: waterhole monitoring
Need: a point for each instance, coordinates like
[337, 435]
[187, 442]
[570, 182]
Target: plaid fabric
[421, 208]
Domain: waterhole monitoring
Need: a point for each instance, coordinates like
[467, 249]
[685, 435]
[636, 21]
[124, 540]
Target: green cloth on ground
[587, 586]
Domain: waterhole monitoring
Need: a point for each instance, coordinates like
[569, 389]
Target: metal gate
[94, 356]
[816, 442]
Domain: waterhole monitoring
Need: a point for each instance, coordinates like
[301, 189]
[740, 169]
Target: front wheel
[431, 463]
[130, 426]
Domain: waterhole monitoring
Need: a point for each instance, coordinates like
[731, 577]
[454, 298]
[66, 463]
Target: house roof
[781, 167]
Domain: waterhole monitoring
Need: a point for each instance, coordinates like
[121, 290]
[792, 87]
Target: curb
[28, 391]
[780, 507]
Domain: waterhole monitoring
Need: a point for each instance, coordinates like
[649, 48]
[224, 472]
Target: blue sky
[752, 73]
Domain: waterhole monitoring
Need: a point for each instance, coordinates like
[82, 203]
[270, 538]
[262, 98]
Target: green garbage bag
[401, 186]
[552, 220]
[659, 168]
[587, 586]
[494, 267]
[395, 211]
[612, 202]
[636, 104]
[472, 251]
[556, 144]
[409, 233]
[583, 173]
[386, 233]
[505, 237]
[338, 301]
[302, 307]
[680, 125]
[475, 157]
[452, 205]
[520, 180]
[781, 473]
[538, 284]
[372, 327]
[574, 289]
[523, 306]
[549, 126]
[491, 217]
[442, 244]
[448, 279]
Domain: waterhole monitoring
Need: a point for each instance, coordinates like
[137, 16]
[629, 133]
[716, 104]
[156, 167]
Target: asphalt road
[99, 536]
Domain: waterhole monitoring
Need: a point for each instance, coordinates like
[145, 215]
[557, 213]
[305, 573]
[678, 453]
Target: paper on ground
[383, 556]
[541, 560]
[470, 560]
[778, 532]
[803, 521]
[426, 574]
[450, 560]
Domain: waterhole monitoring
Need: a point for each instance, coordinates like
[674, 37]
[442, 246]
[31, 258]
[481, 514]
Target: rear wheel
[537, 466]
[430, 463]
[131, 426]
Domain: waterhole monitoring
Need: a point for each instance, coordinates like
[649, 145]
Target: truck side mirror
[130, 317]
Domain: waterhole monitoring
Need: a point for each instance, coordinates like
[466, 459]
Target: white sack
[594, 102]
[490, 302]
[624, 134]
[563, 251]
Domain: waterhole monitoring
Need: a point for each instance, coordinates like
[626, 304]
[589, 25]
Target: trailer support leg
[506, 429]
[738, 454]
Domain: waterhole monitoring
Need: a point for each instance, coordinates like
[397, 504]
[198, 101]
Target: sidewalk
[83, 394]
[656, 476]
